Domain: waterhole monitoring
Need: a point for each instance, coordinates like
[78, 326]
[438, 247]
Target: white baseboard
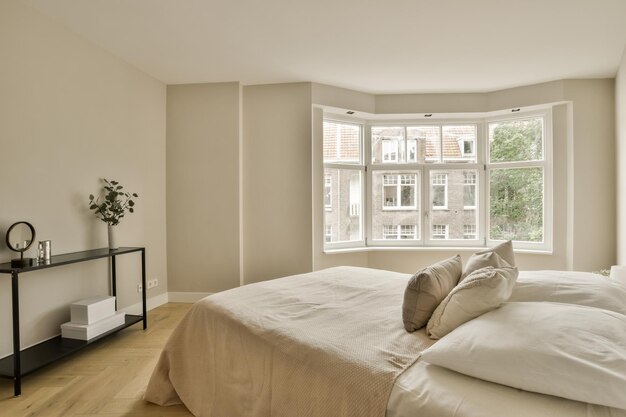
[187, 297]
[152, 302]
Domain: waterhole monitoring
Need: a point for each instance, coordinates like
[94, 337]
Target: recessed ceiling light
[428, 115]
[515, 110]
[349, 112]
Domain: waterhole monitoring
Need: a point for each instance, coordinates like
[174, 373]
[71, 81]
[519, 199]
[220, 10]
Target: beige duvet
[328, 343]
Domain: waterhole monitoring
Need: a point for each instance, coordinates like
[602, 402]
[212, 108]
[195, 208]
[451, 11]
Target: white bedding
[422, 390]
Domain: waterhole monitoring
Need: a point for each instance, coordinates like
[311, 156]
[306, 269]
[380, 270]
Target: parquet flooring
[105, 379]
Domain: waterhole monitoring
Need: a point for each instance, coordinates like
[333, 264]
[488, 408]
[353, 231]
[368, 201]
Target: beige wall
[203, 186]
[277, 234]
[70, 113]
[594, 201]
[620, 115]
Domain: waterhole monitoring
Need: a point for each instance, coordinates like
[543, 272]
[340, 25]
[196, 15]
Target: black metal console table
[23, 362]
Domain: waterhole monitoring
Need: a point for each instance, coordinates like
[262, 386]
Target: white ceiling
[378, 46]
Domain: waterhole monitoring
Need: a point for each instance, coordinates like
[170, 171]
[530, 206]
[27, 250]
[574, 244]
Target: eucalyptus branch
[112, 203]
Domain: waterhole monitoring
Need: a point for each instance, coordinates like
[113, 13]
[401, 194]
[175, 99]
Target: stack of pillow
[443, 296]
[560, 333]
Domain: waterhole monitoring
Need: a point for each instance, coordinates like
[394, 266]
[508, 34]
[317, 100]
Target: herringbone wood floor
[105, 379]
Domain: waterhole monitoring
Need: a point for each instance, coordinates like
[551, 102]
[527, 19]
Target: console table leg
[114, 280]
[143, 287]
[17, 363]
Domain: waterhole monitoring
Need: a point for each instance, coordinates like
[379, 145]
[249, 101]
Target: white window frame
[546, 164]
[422, 189]
[352, 166]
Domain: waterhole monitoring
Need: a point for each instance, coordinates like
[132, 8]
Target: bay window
[471, 183]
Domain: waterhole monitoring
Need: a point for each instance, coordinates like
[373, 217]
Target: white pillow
[480, 292]
[583, 288]
[498, 256]
[566, 350]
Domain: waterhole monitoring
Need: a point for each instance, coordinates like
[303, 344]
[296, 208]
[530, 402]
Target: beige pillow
[426, 289]
[482, 291]
[498, 257]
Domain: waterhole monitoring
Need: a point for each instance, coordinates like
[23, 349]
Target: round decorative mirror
[20, 237]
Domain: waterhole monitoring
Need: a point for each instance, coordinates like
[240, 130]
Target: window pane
[427, 141]
[343, 219]
[342, 142]
[459, 143]
[395, 204]
[387, 144]
[516, 204]
[451, 190]
[516, 140]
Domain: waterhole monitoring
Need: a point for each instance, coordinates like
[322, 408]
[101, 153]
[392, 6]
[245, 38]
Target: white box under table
[89, 331]
[91, 310]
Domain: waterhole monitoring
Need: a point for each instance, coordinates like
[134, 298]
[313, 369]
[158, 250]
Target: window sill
[428, 249]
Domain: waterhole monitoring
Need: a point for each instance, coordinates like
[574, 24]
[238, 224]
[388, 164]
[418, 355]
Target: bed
[331, 343]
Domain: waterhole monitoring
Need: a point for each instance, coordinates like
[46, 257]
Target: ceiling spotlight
[349, 112]
[515, 110]
[428, 115]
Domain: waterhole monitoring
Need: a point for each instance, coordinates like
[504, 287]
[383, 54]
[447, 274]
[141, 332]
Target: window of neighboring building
[400, 231]
[469, 231]
[411, 150]
[439, 190]
[407, 231]
[390, 150]
[440, 231]
[399, 191]
[390, 231]
[328, 233]
[328, 192]
[468, 146]
[469, 190]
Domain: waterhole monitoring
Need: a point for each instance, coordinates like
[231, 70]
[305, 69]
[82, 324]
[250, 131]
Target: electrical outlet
[139, 287]
[153, 283]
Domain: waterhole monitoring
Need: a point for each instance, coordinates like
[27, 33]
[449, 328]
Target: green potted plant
[111, 206]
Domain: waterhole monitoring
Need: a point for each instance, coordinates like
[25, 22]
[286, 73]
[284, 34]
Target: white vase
[112, 237]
